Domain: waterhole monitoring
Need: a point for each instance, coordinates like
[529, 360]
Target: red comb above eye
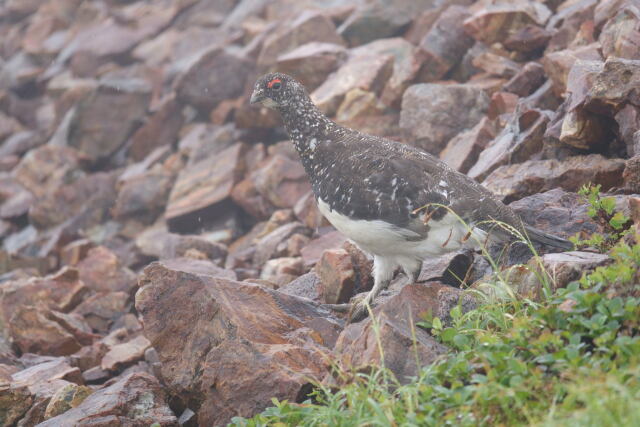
[272, 82]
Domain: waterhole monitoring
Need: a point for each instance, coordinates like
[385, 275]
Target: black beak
[256, 96]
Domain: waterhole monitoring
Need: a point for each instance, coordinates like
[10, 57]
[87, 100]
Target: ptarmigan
[385, 196]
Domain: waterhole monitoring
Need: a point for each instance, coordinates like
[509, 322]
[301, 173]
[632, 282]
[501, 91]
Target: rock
[312, 62]
[406, 64]
[495, 64]
[203, 190]
[281, 271]
[337, 276]
[558, 64]
[628, 120]
[217, 74]
[101, 271]
[61, 291]
[16, 200]
[160, 129]
[631, 174]
[358, 103]
[281, 181]
[102, 309]
[106, 116]
[557, 212]
[534, 176]
[20, 142]
[157, 242]
[201, 267]
[121, 355]
[528, 39]
[502, 103]
[366, 72]
[307, 27]
[520, 139]
[497, 22]
[307, 212]
[379, 19]
[136, 399]
[32, 331]
[46, 168]
[313, 251]
[95, 375]
[559, 270]
[451, 269]
[462, 150]
[529, 78]
[205, 140]
[66, 398]
[305, 286]
[359, 344]
[240, 337]
[274, 243]
[143, 197]
[432, 114]
[444, 45]
[619, 36]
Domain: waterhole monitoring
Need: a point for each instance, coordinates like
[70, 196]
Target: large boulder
[220, 341]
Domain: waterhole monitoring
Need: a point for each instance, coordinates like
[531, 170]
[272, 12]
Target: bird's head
[277, 90]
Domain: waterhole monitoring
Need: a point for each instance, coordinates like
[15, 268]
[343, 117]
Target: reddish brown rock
[366, 72]
[337, 276]
[121, 355]
[620, 36]
[313, 251]
[453, 108]
[451, 269]
[87, 200]
[396, 332]
[15, 199]
[518, 141]
[495, 23]
[102, 309]
[380, 19]
[46, 168]
[534, 176]
[216, 75]
[61, 291]
[307, 212]
[307, 27]
[528, 39]
[628, 119]
[105, 117]
[281, 271]
[631, 174]
[200, 267]
[136, 399]
[232, 325]
[144, 196]
[273, 244]
[31, 331]
[406, 65]
[496, 65]
[502, 103]
[160, 129]
[280, 181]
[558, 64]
[311, 63]
[529, 78]
[101, 271]
[203, 189]
[444, 45]
[462, 150]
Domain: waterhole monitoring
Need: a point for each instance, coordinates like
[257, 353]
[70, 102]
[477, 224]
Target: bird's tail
[547, 239]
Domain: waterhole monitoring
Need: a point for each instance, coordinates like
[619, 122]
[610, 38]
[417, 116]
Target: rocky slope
[162, 259]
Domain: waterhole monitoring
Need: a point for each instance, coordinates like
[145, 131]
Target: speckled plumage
[382, 194]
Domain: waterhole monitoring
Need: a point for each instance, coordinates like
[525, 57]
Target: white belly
[384, 239]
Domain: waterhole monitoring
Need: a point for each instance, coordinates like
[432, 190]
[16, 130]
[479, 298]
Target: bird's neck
[306, 125]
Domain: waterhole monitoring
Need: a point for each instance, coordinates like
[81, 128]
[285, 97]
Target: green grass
[570, 359]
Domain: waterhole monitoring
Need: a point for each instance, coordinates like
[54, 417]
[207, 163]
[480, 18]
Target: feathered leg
[382, 274]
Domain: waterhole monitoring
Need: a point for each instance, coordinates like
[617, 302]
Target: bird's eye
[276, 86]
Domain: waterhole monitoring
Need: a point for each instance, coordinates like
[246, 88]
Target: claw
[359, 309]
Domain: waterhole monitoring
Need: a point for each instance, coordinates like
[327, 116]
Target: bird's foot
[360, 307]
